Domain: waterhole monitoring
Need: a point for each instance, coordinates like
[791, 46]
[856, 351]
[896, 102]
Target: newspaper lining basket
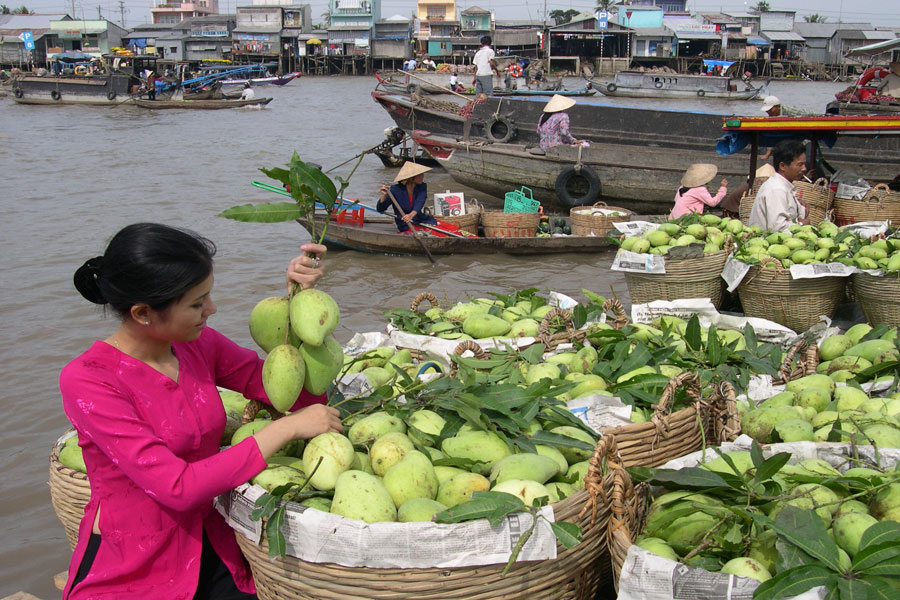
[501, 225]
[668, 435]
[70, 491]
[795, 303]
[879, 297]
[591, 221]
[699, 277]
[879, 204]
[604, 510]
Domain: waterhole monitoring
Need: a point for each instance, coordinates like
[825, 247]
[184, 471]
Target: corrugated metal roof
[653, 32]
[698, 35]
[878, 35]
[26, 22]
[782, 36]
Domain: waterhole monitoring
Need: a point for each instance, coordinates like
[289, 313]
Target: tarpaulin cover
[717, 63]
[758, 42]
[735, 141]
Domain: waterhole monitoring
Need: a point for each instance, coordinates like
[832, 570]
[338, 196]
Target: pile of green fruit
[746, 515]
[70, 455]
[560, 226]
[709, 230]
[814, 408]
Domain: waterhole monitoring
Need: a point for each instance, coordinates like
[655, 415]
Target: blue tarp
[717, 63]
[758, 42]
[735, 141]
[73, 55]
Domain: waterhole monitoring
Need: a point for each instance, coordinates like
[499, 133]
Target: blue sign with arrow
[26, 37]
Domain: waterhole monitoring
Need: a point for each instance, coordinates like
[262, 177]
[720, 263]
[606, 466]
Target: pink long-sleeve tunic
[151, 447]
[696, 200]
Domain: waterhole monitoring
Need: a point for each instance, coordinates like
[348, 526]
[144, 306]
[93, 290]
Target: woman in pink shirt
[149, 419]
[693, 195]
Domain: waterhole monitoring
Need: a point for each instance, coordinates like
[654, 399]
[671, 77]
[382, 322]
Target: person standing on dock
[693, 196]
[776, 206]
[410, 191]
[485, 67]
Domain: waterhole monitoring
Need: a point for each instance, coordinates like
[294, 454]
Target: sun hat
[699, 174]
[410, 170]
[767, 170]
[770, 102]
[558, 103]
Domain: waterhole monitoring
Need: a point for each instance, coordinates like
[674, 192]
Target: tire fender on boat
[701, 93]
[658, 85]
[412, 88]
[111, 95]
[612, 87]
[55, 94]
[502, 133]
[567, 175]
[81, 70]
[18, 93]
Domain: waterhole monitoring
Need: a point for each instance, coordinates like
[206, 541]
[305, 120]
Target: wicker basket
[70, 491]
[500, 224]
[879, 204]
[747, 200]
[469, 221]
[806, 363]
[699, 277]
[707, 422]
[818, 198]
[592, 221]
[795, 303]
[879, 297]
[603, 510]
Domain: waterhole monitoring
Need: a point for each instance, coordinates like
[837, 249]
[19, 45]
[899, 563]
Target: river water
[73, 176]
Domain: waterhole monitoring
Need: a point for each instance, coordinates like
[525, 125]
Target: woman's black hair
[146, 263]
[683, 190]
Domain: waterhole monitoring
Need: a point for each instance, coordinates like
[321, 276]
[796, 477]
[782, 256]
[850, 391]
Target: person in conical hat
[553, 126]
[411, 192]
[693, 196]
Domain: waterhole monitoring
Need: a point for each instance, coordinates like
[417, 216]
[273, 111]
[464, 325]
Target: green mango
[574, 455]
[323, 363]
[318, 503]
[559, 490]
[834, 346]
[657, 546]
[314, 316]
[459, 488]
[526, 327]
[388, 450]
[283, 374]
[524, 489]
[870, 350]
[71, 456]
[268, 320]
[746, 567]
[373, 426]
[794, 430]
[482, 446]
[336, 454]
[412, 477]
[485, 326]
[419, 509]
[849, 529]
[533, 467]
[363, 497]
[427, 421]
[464, 310]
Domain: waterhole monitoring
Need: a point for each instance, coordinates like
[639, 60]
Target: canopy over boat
[870, 50]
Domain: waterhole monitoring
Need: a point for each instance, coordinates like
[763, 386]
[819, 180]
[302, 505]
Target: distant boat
[273, 80]
[201, 104]
[585, 91]
[636, 84]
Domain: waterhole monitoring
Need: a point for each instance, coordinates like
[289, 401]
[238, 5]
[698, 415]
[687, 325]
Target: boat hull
[200, 104]
[621, 92]
[97, 90]
[255, 81]
[384, 239]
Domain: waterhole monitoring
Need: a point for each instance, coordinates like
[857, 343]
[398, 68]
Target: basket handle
[529, 196]
[724, 404]
[253, 407]
[812, 358]
[414, 305]
[786, 370]
[566, 316]
[599, 204]
[881, 187]
[618, 310]
[477, 350]
[691, 384]
[821, 182]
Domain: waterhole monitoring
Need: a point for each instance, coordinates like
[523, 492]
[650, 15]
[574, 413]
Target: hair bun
[87, 280]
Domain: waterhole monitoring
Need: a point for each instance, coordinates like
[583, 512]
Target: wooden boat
[855, 107]
[383, 238]
[636, 84]
[201, 104]
[647, 146]
[273, 80]
[585, 91]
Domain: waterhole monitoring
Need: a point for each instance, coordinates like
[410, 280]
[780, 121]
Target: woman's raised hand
[724, 183]
[313, 420]
[384, 190]
[306, 269]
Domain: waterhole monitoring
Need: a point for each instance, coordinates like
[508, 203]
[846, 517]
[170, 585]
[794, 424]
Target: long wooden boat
[585, 91]
[383, 238]
[636, 84]
[273, 80]
[200, 104]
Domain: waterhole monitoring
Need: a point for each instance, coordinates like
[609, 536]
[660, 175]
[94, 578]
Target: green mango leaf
[715, 353]
[692, 478]
[793, 582]
[880, 533]
[851, 589]
[567, 534]
[525, 444]
[889, 567]
[579, 316]
[692, 334]
[268, 212]
[277, 545]
[533, 354]
[834, 434]
[641, 474]
[638, 357]
[321, 185]
[873, 554]
[882, 588]
[750, 340]
[790, 556]
[466, 464]
[771, 466]
[493, 506]
[756, 455]
[264, 506]
[804, 529]
[593, 298]
[548, 438]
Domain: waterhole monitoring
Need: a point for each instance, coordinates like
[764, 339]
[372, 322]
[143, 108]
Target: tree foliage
[761, 6]
[606, 4]
[562, 16]
[815, 18]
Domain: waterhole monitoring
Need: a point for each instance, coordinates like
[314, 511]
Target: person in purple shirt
[693, 196]
[411, 192]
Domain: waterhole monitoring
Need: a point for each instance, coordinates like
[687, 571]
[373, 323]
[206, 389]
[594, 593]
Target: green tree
[22, 10]
[605, 4]
[815, 18]
[4, 9]
[562, 16]
[326, 19]
[761, 6]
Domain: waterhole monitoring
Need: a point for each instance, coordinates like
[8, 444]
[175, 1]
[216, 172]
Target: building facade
[174, 11]
[352, 25]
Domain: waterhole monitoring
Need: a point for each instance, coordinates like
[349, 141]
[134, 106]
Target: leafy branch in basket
[308, 187]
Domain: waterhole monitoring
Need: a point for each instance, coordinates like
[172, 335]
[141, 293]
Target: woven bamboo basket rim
[700, 268]
[620, 317]
[498, 218]
[884, 288]
[863, 210]
[586, 220]
[70, 491]
[807, 363]
[778, 282]
[882, 193]
[604, 524]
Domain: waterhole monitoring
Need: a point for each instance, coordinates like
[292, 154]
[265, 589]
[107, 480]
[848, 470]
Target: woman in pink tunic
[693, 195]
[149, 419]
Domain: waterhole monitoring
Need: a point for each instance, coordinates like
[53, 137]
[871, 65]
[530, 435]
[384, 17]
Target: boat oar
[411, 226]
[364, 152]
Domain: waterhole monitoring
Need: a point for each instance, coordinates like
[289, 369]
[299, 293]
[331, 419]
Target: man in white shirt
[776, 206]
[248, 93]
[485, 67]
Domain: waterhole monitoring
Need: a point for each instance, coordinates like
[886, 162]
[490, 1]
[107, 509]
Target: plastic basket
[520, 201]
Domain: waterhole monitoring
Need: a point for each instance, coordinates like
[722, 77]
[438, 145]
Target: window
[436, 12]
[173, 50]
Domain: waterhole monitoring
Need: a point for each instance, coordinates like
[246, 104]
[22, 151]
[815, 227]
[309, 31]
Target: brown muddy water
[72, 176]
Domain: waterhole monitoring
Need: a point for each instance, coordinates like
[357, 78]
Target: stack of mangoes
[711, 231]
[70, 455]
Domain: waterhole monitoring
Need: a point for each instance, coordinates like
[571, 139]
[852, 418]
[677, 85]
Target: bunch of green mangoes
[711, 231]
[379, 365]
[881, 254]
[844, 355]
[70, 455]
[305, 355]
[799, 245]
[679, 521]
[376, 473]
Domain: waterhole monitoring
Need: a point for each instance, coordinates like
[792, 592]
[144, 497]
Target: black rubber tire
[412, 88]
[111, 95]
[701, 93]
[55, 95]
[566, 197]
[18, 93]
[658, 85]
[612, 87]
[500, 129]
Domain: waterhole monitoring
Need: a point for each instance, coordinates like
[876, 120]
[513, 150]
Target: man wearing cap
[776, 206]
[773, 107]
[410, 192]
[553, 126]
[693, 195]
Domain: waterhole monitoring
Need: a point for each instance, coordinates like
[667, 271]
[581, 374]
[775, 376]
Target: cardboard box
[449, 204]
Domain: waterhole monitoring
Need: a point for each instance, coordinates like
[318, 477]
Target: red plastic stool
[357, 216]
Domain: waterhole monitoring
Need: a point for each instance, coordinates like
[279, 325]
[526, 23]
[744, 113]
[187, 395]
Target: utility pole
[73, 9]
[99, 15]
[122, 12]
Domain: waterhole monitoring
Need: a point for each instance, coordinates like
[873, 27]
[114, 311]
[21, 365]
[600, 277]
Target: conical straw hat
[558, 103]
[767, 170]
[409, 170]
[699, 174]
